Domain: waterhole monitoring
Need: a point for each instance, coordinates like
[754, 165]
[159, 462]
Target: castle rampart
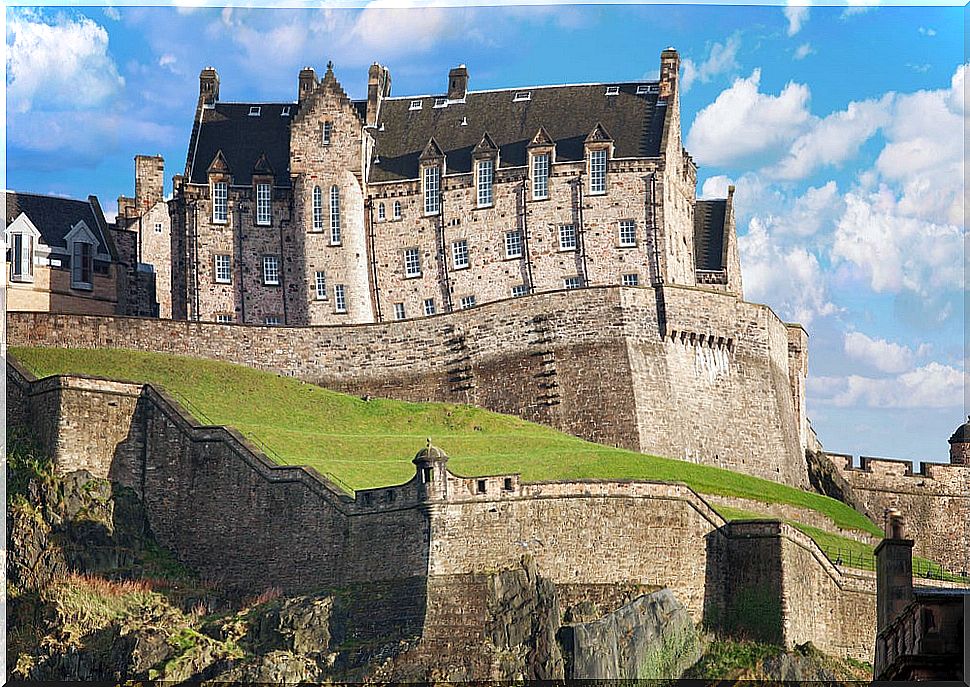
[706, 382]
[224, 508]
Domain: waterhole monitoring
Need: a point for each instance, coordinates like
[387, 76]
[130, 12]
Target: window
[334, 216]
[513, 244]
[380, 212]
[631, 280]
[399, 311]
[223, 318]
[540, 176]
[597, 171]
[459, 254]
[429, 308]
[158, 227]
[397, 209]
[612, 90]
[440, 102]
[486, 172]
[567, 237]
[467, 302]
[82, 265]
[339, 298]
[272, 320]
[317, 209]
[480, 486]
[254, 111]
[572, 282]
[223, 265]
[320, 285]
[220, 202]
[415, 105]
[271, 270]
[432, 186]
[521, 96]
[21, 257]
[643, 88]
[263, 203]
[327, 132]
[520, 290]
[628, 232]
[285, 112]
[412, 262]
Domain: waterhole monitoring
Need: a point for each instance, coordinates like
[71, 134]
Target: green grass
[371, 443]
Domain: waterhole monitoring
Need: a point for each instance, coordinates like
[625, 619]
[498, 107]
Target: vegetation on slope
[370, 443]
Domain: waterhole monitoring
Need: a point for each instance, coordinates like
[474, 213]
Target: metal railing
[922, 568]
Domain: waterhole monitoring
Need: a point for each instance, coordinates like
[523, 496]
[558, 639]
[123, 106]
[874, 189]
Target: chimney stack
[308, 80]
[894, 571]
[458, 83]
[378, 88]
[149, 181]
[208, 86]
[669, 67]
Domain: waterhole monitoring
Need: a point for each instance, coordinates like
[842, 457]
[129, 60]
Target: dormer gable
[219, 166]
[598, 135]
[485, 148]
[432, 152]
[262, 168]
[542, 139]
[81, 233]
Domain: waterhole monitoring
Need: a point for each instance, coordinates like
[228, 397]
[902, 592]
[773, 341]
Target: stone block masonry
[227, 511]
[708, 381]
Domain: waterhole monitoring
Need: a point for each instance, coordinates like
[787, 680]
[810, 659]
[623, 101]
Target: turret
[208, 86]
[960, 445]
[432, 473]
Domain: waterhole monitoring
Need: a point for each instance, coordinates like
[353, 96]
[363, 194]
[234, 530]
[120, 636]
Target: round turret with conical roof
[431, 464]
[960, 445]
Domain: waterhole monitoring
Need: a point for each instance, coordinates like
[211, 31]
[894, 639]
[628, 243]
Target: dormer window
[415, 105]
[612, 90]
[521, 96]
[486, 174]
[220, 202]
[540, 176]
[642, 89]
[264, 205]
[432, 189]
[327, 132]
[21, 257]
[82, 265]
[440, 102]
[597, 171]
[254, 111]
[285, 112]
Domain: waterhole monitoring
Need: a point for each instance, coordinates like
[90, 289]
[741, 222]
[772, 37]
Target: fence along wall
[710, 382]
[226, 510]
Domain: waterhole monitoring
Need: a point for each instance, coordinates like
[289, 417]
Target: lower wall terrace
[227, 510]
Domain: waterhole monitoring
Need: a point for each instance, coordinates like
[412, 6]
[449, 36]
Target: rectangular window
[567, 237]
[334, 216]
[513, 244]
[429, 308]
[631, 280]
[223, 318]
[399, 311]
[158, 227]
[22, 257]
[432, 187]
[415, 105]
[220, 202]
[397, 209]
[271, 270]
[412, 262]
[521, 96]
[320, 285]
[254, 111]
[572, 282]
[628, 233]
[327, 132]
[272, 320]
[540, 176]
[82, 265]
[339, 298]
[612, 90]
[459, 254]
[317, 209]
[263, 203]
[486, 171]
[520, 290]
[467, 302]
[597, 171]
[223, 264]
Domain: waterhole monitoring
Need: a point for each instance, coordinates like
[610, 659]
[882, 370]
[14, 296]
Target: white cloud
[882, 355]
[924, 31]
[931, 386]
[58, 62]
[112, 13]
[803, 51]
[796, 16]
[721, 59]
[858, 7]
[743, 122]
[167, 60]
[715, 187]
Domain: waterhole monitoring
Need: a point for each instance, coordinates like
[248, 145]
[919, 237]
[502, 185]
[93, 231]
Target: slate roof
[243, 139]
[54, 217]
[709, 218]
[568, 114]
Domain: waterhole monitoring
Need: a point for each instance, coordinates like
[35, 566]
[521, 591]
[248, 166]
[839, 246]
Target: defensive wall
[686, 372]
[227, 510]
[935, 500]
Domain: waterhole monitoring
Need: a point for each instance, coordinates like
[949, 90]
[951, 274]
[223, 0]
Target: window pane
[334, 215]
[317, 209]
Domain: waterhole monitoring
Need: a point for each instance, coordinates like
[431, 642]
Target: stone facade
[710, 383]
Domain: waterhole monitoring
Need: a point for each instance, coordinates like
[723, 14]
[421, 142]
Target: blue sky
[841, 127]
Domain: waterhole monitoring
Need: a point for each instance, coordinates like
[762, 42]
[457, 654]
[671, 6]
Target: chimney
[378, 88]
[149, 181]
[894, 571]
[308, 79]
[669, 66]
[208, 86]
[458, 83]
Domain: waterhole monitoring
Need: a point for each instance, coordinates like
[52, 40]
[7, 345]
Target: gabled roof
[709, 230]
[485, 146]
[432, 150]
[55, 217]
[598, 135]
[566, 113]
[243, 139]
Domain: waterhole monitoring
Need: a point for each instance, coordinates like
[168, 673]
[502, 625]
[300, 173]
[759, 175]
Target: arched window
[317, 209]
[380, 212]
[397, 209]
[334, 215]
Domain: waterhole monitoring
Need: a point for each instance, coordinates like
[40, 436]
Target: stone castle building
[329, 210]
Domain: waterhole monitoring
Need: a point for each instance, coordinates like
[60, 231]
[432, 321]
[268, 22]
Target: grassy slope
[371, 443]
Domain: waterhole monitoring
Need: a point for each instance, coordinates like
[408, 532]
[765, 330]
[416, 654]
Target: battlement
[897, 467]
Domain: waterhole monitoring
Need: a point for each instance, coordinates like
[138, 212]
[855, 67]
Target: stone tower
[960, 445]
[894, 571]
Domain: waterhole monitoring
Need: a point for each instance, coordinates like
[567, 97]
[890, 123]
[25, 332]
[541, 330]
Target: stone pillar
[894, 572]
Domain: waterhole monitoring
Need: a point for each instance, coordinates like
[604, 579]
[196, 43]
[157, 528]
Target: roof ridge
[511, 89]
[47, 195]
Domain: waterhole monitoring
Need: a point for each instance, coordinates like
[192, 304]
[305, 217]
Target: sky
[842, 128]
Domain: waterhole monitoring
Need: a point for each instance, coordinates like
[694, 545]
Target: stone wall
[714, 388]
[935, 501]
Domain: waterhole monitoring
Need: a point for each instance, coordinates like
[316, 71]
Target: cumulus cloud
[803, 51]
[882, 355]
[742, 122]
[112, 13]
[58, 61]
[933, 385]
[924, 31]
[721, 59]
[796, 16]
[858, 7]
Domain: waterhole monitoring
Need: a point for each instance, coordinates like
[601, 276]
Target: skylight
[522, 95]
[612, 90]
[415, 105]
[441, 102]
[285, 112]
[254, 111]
